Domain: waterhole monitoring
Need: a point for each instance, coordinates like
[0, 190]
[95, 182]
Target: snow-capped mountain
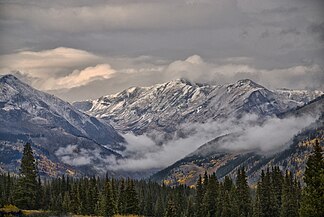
[214, 157]
[57, 129]
[164, 107]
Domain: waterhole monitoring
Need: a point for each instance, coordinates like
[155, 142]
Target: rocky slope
[213, 157]
[64, 138]
[165, 107]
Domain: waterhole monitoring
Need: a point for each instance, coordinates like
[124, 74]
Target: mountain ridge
[163, 107]
[51, 124]
[213, 157]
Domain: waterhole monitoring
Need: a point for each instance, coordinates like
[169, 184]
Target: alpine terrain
[66, 140]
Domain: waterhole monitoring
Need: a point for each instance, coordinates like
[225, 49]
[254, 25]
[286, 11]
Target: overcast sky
[80, 49]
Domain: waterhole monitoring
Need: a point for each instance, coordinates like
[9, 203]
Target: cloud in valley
[273, 135]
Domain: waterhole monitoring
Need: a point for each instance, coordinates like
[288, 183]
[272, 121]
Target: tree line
[276, 194]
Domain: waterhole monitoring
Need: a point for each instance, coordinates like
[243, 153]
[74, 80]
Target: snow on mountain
[164, 107]
[299, 96]
[216, 156]
[53, 125]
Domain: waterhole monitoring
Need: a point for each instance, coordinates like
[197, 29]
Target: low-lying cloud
[274, 134]
[143, 153]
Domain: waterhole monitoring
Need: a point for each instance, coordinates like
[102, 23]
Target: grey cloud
[269, 137]
[164, 31]
[317, 29]
[290, 31]
[76, 74]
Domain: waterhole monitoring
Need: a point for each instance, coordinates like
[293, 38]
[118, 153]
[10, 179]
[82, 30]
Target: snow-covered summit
[164, 107]
[19, 101]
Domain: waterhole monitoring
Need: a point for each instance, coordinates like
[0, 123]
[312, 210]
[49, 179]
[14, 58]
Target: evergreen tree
[66, 204]
[122, 198]
[199, 198]
[159, 208]
[171, 209]
[107, 200]
[26, 189]
[276, 186]
[131, 198]
[289, 206]
[148, 205]
[243, 194]
[210, 197]
[190, 211]
[313, 193]
[265, 203]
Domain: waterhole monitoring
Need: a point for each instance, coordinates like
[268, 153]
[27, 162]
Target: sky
[82, 49]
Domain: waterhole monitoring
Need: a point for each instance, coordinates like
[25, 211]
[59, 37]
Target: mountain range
[87, 137]
[214, 156]
[166, 108]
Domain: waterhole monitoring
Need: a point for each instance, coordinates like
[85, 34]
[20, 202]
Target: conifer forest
[277, 193]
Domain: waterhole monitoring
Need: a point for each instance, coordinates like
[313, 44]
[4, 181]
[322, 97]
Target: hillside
[167, 107]
[65, 139]
[214, 157]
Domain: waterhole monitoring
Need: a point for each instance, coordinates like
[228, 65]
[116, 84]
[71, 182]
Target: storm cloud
[139, 43]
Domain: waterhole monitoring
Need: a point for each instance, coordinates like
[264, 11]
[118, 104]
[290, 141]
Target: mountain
[166, 107]
[213, 157]
[64, 139]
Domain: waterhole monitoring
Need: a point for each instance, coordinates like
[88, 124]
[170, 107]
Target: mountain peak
[182, 81]
[8, 77]
[247, 82]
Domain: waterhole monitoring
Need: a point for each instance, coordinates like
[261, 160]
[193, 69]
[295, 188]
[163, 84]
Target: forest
[277, 193]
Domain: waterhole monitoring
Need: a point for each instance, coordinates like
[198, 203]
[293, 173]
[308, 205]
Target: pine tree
[313, 193]
[171, 209]
[159, 208]
[122, 198]
[66, 204]
[108, 203]
[243, 194]
[199, 198]
[210, 197]
[131, 198]
[26, 189]
[148, 205]
[190, 212]
[289, 206]
[276, 186]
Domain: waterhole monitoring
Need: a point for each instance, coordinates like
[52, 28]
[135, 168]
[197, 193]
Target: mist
[268, 136]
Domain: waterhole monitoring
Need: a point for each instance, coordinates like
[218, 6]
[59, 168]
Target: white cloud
[295, 77]
[72, 155]
[57, 68]
[64, 69]
[43, 63]
[79, 78]
[142, 153]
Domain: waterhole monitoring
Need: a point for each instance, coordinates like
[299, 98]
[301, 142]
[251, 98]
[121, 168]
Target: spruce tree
[107, 200]
[131, 198]
[243, 194]
[122, 197]
[26, 189]
[289, 206]
[159, 207]
[171, 209]
[199, 198]
[210, 197]
[313, 193]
